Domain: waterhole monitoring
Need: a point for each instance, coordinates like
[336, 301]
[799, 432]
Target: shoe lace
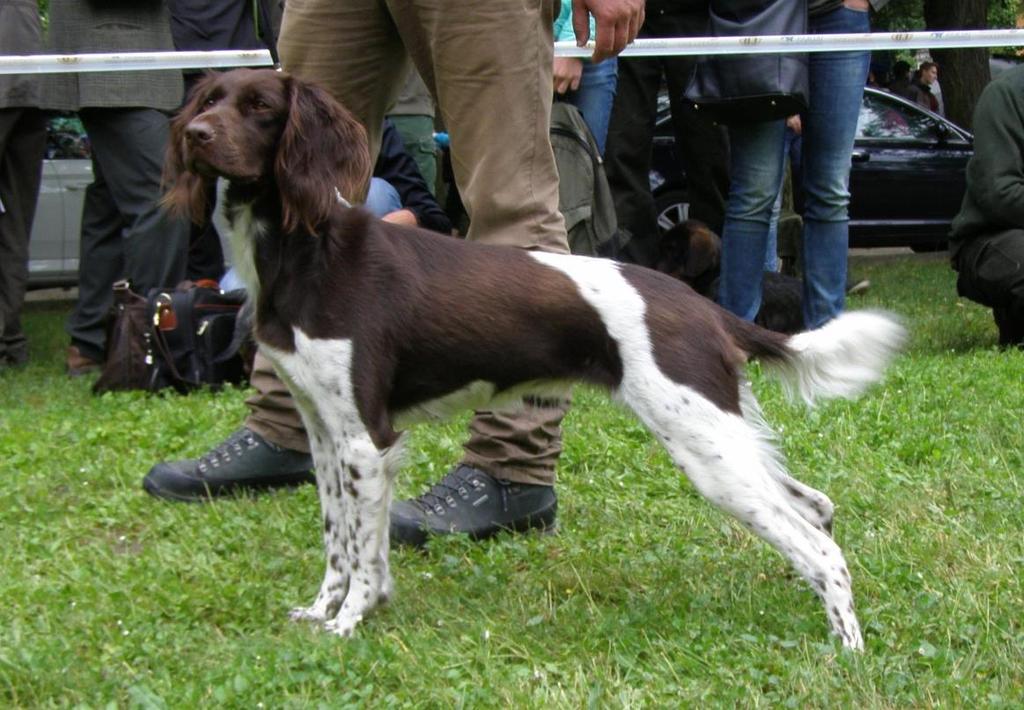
[234, 446]
[443, 493]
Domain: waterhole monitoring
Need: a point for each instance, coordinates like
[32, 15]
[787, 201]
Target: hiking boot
[243, 461]
[78, 364]
[475, 503]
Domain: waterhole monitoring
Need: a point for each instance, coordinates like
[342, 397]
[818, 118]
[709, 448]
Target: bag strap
[165, 353]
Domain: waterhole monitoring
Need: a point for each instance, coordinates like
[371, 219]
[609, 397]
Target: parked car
[67, 171]
[906, 183]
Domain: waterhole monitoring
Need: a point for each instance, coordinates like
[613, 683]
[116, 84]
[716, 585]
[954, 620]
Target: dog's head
[690, 252]
[270, 130]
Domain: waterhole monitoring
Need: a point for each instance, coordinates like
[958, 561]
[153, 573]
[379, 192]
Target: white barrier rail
[768, 44]
[132, 61]
[785, 44]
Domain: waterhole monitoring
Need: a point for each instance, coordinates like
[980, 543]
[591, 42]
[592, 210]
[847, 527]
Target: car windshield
[882, 117]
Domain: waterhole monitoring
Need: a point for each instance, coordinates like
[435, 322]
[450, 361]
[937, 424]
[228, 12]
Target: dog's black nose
[199, 132]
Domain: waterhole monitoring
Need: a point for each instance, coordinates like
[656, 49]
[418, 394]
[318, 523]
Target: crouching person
[987, 243]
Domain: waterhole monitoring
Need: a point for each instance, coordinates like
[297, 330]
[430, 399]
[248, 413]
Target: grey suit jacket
[20, 33]
[90, 26]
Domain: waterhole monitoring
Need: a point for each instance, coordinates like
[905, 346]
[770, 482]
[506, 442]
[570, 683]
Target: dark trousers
[22, 144]
[702, 146]
[991, 272]
[125, 232]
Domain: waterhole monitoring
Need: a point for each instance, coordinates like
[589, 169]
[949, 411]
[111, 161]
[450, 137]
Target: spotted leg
[723, 457]
[333, 514]
[811, 504]
[366, 478]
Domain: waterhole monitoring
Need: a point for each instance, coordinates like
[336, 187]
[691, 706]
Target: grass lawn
[647, 597]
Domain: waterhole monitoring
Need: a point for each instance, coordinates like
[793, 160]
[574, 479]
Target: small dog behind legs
[691, 252]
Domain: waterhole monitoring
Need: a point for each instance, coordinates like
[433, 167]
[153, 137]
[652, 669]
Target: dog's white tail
[840, 359]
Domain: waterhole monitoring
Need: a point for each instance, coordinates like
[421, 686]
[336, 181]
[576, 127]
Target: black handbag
[183, 337]
[193, 329]
[748, 88]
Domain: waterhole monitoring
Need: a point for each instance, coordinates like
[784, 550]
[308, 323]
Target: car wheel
[672, 208]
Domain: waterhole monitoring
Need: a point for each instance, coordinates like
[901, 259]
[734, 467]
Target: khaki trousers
[522, 446]
[488, 66]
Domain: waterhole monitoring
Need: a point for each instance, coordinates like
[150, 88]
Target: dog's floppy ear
[705, 250]
[322, 147]
[184, 191]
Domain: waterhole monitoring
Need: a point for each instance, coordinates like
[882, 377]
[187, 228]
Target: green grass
[646, 598]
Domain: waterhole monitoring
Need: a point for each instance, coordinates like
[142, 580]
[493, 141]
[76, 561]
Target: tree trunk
[963, 73]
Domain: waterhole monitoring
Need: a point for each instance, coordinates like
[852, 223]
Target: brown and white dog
[371, 324]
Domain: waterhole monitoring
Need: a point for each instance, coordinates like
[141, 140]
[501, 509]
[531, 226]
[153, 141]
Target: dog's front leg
[366, 476]
[332, 508]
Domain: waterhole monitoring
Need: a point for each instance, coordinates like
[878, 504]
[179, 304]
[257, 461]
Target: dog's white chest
[243, 229]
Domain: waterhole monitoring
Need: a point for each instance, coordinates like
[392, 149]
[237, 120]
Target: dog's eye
[259, 104]
[209, 103]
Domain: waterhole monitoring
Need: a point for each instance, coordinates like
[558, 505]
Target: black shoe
[13, 358]
[1011, 328]
[475, 503]
[243, 461]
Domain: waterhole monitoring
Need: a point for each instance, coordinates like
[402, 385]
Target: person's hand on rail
[618, 22]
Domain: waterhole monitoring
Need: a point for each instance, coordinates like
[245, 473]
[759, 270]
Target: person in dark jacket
[703, 147]
[987, 243]
[924, 79]
[125, 233]
[22, 143]
[902, 83]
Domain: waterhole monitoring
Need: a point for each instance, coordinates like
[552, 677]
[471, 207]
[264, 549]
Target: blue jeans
[829, 126]
[791, 150]
[594, 97]
[382, 198]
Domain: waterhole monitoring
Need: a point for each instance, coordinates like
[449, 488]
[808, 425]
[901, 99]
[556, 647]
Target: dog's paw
[343, 625]
[314, 614]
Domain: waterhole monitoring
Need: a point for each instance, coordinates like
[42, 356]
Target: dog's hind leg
[722, 455]
[813, 506]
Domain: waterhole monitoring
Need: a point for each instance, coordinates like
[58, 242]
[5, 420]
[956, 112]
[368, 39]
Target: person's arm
[567, 71]
[398, 168]
[995, 176]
